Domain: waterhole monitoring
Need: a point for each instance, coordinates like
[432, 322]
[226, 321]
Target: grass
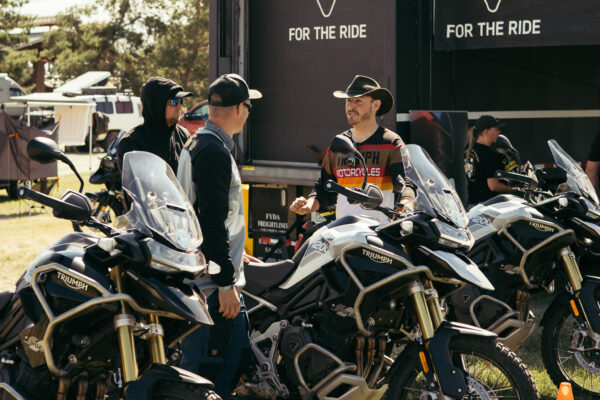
[26, 229]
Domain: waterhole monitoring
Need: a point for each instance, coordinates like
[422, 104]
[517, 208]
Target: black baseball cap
[487, 122]
[232, 89]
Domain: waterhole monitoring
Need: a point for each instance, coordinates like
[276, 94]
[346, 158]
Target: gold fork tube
[571, 268]
[433, 304]
[124, 324]
[155, 341]
[418, 295]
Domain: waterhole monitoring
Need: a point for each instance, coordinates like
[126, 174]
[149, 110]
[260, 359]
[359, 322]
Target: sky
[48, 8]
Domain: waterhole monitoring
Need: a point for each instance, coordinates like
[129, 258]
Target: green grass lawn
[26, 228]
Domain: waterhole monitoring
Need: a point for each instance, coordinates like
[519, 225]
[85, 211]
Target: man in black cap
[162, 100]
[482, 161]
[209, 175]
[365, 101]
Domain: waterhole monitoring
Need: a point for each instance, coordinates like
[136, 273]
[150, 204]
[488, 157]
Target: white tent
[74, 115]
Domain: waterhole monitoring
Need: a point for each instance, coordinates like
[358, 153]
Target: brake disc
[477, 390]
[587, 357]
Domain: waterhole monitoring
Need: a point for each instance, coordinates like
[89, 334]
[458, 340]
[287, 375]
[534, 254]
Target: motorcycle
[532, 243]
[112, 198]
[356, 314]
[91, 316]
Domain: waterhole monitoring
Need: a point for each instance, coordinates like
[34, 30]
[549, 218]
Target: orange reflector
[424, 362]
[574, 307]
[103, 208]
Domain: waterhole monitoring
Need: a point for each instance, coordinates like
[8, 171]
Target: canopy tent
[14, 162]
[74, 114]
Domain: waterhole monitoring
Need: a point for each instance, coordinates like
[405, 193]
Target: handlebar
[512, 176]
[352, 194]
[61, 209]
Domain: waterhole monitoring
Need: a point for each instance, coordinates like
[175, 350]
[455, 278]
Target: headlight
[453, 237]
[168, 260]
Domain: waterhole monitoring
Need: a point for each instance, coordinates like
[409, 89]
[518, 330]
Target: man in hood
[162, 100]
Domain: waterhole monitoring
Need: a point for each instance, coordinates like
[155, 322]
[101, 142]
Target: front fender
[142, 388]
[451, 379]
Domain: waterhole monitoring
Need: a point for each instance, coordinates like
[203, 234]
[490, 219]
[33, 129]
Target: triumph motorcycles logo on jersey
[72, 282]
[376, 257]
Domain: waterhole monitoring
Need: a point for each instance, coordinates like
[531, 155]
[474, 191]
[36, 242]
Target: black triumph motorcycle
[538, 241]
[91, 316]
[356, 314]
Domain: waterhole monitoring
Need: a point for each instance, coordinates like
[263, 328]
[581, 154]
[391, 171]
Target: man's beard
[355, 119]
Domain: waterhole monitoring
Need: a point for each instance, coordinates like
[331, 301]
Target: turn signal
[424, 362]
[574, 307]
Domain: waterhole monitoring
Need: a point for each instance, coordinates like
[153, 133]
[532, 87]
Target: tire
[182, 391]
[580, 368]
[501, 367]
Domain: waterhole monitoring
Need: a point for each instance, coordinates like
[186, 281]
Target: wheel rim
[581, 368]
[484, 379]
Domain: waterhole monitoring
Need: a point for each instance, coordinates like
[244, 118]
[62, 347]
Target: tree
[14, 29]
[136, 40]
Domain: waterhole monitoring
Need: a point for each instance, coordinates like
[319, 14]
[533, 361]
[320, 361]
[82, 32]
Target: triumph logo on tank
[72, 282]
[541, 227]
[376, 257]
[34, 344]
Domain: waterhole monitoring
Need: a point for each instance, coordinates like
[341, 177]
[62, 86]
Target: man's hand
[406, 206]
[302, 206]
[229, 303]
[248, 258]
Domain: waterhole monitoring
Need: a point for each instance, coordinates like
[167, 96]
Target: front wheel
[571, 352]
[182, 391]
[492, 371]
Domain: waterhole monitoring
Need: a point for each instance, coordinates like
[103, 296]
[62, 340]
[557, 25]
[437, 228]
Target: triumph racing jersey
[383, 159]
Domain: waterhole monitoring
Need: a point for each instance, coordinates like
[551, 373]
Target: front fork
[124, 324]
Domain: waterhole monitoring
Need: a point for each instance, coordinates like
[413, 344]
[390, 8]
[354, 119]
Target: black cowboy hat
[365, 86]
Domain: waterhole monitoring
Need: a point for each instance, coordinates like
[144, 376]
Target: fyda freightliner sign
[472, 24]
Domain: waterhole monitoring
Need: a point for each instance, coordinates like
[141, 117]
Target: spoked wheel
[493, 372]
[571, 352]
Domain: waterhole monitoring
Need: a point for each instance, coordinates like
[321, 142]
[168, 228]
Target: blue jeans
[215, 352]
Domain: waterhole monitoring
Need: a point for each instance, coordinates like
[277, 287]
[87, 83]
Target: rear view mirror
[343, 145]
[186, 116]
[44, 150]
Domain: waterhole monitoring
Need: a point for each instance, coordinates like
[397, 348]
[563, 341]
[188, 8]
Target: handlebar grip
[61, 209]
[335, 187]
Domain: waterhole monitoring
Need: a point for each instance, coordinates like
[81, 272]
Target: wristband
[225, 288]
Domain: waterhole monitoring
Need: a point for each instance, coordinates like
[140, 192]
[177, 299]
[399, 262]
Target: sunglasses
[174, 102]
[248, 106]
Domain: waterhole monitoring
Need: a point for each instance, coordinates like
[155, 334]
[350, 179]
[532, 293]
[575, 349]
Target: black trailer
[533, 63]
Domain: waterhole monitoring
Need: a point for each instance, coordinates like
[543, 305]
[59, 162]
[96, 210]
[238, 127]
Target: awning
[473, 24]
[73, 113]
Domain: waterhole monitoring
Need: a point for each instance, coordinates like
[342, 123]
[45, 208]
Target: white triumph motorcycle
[356, 313]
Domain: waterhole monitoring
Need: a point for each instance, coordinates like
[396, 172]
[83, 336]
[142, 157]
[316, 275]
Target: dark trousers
[215, 352]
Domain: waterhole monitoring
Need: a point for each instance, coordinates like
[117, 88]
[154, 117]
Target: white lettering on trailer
[327, 32]
[299, 33]
[460, 30]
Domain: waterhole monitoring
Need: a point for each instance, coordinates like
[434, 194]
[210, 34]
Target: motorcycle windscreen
[159, 203]
[577, 179]
[435, 194]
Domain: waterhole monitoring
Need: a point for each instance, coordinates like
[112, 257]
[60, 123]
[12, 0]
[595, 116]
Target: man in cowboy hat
[365, 101]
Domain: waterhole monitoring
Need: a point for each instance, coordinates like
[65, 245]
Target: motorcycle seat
[262, 276]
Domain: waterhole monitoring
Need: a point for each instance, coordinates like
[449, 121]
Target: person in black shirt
[482, 161]
[162, 100]
[592, 166]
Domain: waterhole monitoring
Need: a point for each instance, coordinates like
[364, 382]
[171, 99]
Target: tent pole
[90, 123]
[28, 115]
